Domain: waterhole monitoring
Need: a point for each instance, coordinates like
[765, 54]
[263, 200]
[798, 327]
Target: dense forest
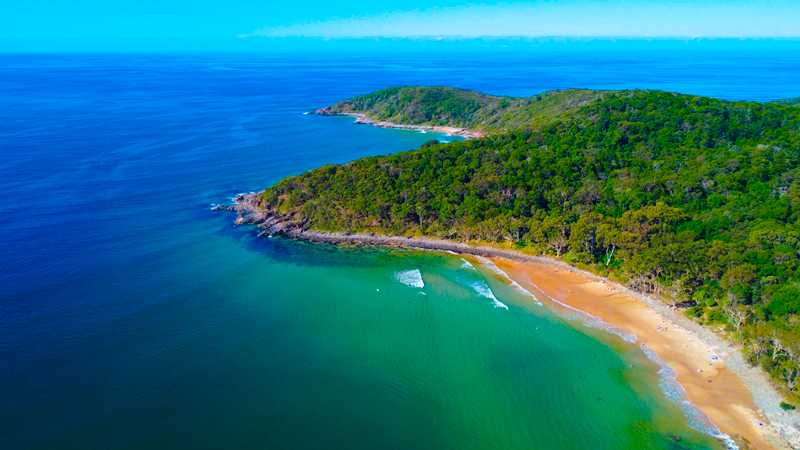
[789, 101]
[692, 198]
[446, 106]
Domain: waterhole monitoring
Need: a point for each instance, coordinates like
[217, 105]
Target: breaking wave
[491, 266]
[484, 290]
[411, 278]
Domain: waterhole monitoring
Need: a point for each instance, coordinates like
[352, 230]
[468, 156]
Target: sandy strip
[730, 398]
[725, 399]
[463, 132]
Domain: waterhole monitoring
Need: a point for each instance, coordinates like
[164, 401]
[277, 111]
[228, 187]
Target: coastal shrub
[446, 106]
[695, 312]
[430, 143]
[785, 301]
[681, 196]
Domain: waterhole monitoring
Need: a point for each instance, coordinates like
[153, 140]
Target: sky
[63, 24]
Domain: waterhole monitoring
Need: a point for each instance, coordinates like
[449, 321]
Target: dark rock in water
[251, 212]
[674, 438]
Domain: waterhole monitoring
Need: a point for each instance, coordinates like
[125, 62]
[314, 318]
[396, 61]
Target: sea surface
[134, 317]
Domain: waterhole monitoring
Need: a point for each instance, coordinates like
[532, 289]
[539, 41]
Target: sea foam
[232, 199]
[590, 320]
[674, 391]
[491, 266]
[467, 265]
[669, 384]
[411, 278]
[484, 290]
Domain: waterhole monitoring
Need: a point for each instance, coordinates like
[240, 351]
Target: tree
[583, 236]
[737, 315]
[607, 236]
[554, 230]
[788, 372]
[694, 196]
[737, 280]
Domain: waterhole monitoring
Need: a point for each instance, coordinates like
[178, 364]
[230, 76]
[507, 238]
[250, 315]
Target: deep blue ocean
[132, 316]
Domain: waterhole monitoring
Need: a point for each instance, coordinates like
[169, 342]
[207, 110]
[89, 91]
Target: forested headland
[789, 101]
[446, 106]
[692, 198]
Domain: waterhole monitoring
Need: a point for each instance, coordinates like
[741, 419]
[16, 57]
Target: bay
[132, 316]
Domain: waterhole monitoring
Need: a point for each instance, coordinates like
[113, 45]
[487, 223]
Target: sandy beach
[362, 119]
[725, 398]
[738, 399]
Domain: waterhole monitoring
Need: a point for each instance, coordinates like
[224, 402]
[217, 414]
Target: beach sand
[364, 120]
[730, 398]
[725, 399]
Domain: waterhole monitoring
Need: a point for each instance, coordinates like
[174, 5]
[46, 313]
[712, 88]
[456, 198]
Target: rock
[251, 212]
[326, 111]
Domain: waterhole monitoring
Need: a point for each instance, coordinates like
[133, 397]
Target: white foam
[491, 266]
[411, 278]
[675, 392]
[467, 265]
[240, 193]
[484, 290]
[498, 304]
[590, 320]
[595, 322]
[669, 384]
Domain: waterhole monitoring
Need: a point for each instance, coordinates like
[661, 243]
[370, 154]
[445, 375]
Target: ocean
[133, 316]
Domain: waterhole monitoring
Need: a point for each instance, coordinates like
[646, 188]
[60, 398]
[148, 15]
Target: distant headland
[691, 199]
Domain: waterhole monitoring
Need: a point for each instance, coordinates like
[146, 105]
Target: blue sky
[43, 24]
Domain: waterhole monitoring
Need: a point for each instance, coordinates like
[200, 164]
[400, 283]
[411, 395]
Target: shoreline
[727, 400]
[362, 119]
[738, 393]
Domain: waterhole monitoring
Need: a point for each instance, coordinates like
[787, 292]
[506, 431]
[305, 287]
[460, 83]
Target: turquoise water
[132, 316]
[363, 359]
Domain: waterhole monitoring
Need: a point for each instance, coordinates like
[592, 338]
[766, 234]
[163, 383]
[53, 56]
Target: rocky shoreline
[362, 119]
[272, 223]
[250, 211]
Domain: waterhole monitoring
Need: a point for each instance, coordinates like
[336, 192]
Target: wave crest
[493, 267]
[484, 290]
[411, 278]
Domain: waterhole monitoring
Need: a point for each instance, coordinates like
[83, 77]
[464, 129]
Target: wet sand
[729, 399]
[725, 399]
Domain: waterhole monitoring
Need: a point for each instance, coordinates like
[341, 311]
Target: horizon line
[440, 37]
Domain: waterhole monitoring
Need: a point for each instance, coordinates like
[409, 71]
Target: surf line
[697, 418]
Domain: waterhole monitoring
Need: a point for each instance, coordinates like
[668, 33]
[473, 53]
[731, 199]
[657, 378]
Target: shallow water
[132, 316]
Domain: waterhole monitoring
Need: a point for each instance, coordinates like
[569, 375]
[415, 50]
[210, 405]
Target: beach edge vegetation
[692, 198]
